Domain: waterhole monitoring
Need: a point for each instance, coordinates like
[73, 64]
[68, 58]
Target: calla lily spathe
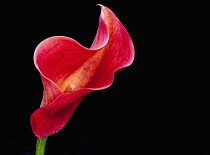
[69, 71]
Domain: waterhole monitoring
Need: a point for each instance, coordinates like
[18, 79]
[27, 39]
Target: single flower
[69, 71]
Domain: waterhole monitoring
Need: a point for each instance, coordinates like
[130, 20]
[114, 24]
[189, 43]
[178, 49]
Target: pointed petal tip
[99, 5]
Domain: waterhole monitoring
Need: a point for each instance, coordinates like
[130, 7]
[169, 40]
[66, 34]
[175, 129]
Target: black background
[154, 106]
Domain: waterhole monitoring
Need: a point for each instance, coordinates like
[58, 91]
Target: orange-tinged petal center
[82, 76]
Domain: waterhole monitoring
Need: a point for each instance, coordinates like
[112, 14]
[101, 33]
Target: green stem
[40, 146]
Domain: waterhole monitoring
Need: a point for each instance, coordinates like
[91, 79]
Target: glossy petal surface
[69, 71]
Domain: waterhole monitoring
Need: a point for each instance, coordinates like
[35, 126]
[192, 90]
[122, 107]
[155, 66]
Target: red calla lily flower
[69, 71]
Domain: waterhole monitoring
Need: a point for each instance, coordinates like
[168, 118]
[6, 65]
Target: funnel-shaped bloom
[69, 71]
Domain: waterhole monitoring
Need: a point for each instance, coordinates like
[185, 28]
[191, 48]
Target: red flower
[70, 71]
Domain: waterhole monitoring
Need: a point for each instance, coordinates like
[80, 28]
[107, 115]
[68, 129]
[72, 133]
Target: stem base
[40, 146]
